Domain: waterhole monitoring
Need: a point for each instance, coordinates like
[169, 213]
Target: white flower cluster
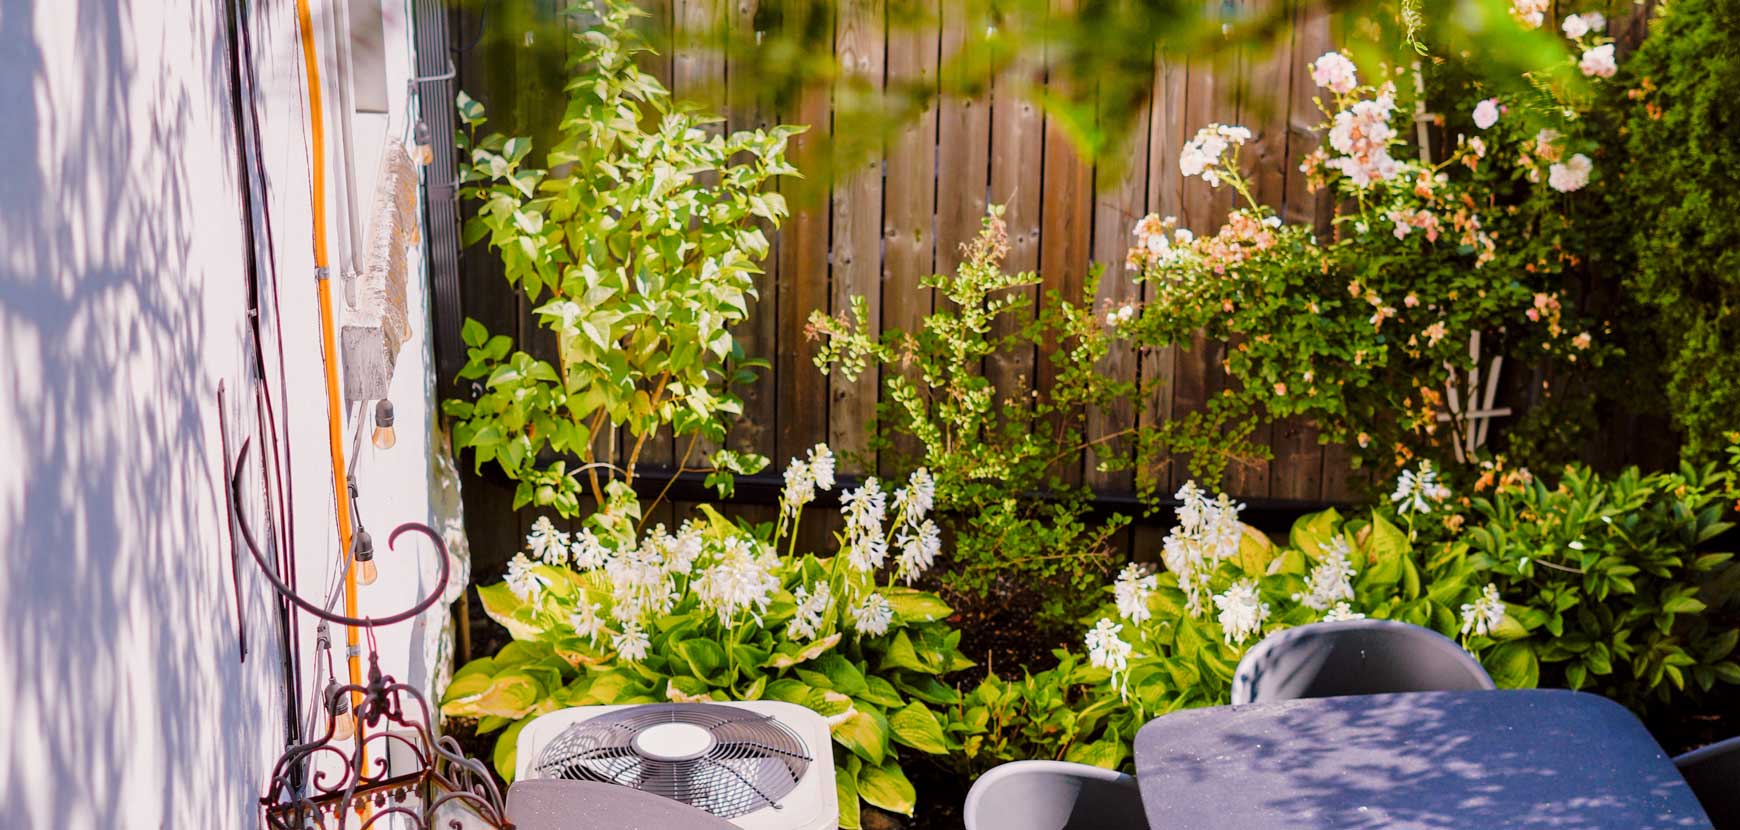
[811, 608]
[865, 509]
[523, 578]
[1207, 533]
[1417, 491]
[1106, 650]
[872, 614]
[740, 581]
[1159, 242]
[1482, 616]
[918, 550]
[1133, 589]
[1342, 611]
[1242, 611]
[804, 477]
[1486, 113]
[1331, 580]
[1202, 155]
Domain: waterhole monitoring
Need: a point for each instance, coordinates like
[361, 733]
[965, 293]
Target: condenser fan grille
[741, 762]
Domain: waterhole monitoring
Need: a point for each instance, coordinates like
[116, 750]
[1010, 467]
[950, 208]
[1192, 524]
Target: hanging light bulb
[338, 708]
[384, 438]
[366, 574]
[424, 151]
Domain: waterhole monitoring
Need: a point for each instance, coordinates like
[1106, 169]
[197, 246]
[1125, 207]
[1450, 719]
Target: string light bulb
[366, 573]
[343, 720]
[424, 150]
[384, 437]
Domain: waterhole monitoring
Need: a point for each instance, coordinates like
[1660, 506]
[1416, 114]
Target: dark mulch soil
[999, 630]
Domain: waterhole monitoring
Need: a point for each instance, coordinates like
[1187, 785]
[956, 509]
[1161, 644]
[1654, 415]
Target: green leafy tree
[638, 242]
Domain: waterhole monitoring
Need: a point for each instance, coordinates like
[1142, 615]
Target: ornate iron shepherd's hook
[313, 608]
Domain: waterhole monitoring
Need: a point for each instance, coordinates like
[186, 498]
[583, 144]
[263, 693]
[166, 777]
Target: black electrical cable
[252, 181]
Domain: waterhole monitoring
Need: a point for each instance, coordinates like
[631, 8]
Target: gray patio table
[1421, 761]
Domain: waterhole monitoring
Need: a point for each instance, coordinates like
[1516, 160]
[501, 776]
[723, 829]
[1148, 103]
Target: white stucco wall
[123, 306]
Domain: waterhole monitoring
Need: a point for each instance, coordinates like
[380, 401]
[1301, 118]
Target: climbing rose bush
[1362, 330]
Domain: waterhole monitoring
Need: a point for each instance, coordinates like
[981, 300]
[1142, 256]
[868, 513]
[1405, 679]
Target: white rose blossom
[1598, 62]
[1203, 152]
[1486, 113]
[1482, 616]
[1574, 26]
[1571, 174]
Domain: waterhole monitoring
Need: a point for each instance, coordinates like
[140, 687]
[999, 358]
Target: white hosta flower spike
[873, 615]
[1132, 591]
[523, 579]
[1242, 611]
[586, 621]
[547, 543]
[1342, 611]
[1482, 616]
[1331, 580]
[822, 466]
[632, 644]
[917, 551]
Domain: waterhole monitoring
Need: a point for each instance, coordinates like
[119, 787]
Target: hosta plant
[1171, 639]
[720, 610]
[637, 246]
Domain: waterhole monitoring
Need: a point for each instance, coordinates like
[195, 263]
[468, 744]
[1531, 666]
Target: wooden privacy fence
[903, 213]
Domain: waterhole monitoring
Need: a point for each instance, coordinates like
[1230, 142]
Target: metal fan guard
[755, 759]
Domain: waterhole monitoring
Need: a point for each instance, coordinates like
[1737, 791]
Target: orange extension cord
[334, 407]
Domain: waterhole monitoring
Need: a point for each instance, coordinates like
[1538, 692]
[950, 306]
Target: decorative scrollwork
[301, 794]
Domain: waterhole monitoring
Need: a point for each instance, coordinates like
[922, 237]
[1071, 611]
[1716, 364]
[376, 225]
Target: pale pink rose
[1334, 72]
[1570, 175]
[1598, 62]
[1486, 113]
[1574, 26]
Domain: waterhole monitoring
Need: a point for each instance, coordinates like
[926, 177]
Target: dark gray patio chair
[1714, 773]
[1054, 795]
[1354, 657]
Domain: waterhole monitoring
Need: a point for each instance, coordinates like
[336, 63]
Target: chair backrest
[1354, 657]
[1053, 795]
[1714, 773]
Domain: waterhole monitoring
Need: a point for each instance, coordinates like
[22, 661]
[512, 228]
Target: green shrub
[1001, 465]
[1682, 146]
[638, 248]
[1624, 595]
